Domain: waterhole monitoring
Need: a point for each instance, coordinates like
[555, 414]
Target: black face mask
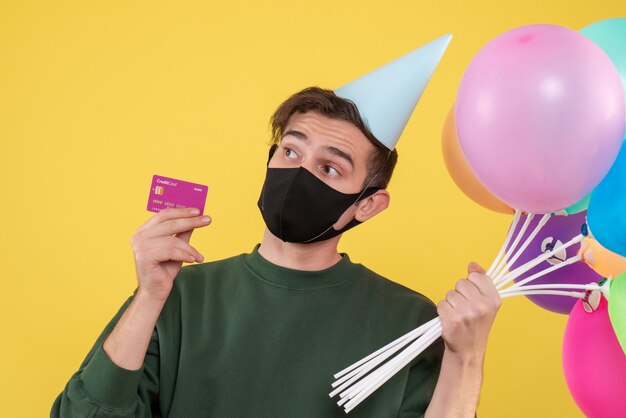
[298, 207]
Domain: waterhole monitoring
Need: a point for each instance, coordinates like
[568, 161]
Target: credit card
[166, 192]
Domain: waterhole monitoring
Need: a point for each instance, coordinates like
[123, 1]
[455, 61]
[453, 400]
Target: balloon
[606, 214]
[610, 35]
[579, 206]
[540, 115]
[558, 230]
[594, 363]
[461, 172]
[603, 261]
[617, 308]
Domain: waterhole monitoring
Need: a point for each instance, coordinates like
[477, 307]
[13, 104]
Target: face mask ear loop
[357, 199]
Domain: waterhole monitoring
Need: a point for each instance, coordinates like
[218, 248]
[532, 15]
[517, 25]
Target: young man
[262, 333]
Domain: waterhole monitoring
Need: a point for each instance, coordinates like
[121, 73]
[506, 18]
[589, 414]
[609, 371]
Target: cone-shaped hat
[387, 96]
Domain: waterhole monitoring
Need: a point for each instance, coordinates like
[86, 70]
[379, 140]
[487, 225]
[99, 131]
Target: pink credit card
[167, 192]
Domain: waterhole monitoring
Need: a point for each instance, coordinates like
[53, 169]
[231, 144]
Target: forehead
[331, 131]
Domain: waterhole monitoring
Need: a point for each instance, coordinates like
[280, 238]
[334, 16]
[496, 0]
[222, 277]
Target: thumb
[473, 267]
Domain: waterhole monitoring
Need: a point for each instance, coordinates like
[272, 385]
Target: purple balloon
[540, 117]
[558, 229]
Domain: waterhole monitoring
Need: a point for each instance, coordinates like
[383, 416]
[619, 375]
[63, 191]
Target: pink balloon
[540, 115]
[594, 363]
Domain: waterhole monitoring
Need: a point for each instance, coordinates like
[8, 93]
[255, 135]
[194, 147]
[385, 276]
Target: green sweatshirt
[242, 337]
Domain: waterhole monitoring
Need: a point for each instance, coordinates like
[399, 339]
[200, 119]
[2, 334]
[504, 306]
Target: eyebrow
[333, 150]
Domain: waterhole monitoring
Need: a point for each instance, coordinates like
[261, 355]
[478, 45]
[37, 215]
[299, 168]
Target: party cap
[387, 96]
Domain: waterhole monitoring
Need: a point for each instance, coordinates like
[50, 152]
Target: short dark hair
[330, 105]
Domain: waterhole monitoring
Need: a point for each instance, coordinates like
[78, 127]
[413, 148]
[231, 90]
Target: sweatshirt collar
[280, 276]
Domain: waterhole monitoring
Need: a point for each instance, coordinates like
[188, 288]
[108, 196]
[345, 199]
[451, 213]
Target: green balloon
[617, 308]
[580, 206]
[610, 35]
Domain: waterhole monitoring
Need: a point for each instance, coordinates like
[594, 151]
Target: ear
[372, 205]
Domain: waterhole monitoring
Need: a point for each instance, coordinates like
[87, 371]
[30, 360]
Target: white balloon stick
[591, 286]
[541, 273]
[359, 372]
[416, 332]
[579, 295]
[412, 351]
[350, 393]
[536, 261]
[509, 251]
[520, 251]
[506, 241]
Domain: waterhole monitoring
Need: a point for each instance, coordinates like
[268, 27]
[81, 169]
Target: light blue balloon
[606, 215]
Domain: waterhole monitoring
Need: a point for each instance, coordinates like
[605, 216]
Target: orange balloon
[461, 172]
[603, 261]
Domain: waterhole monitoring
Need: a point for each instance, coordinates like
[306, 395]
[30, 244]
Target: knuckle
[137, 236]
[135, 244]
[481, 310]
[440, 306]
[139, 256]
[456, 322]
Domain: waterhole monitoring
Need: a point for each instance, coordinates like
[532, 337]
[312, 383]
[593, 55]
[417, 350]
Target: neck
[309, 257]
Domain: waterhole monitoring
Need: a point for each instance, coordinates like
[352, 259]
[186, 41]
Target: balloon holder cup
[587, 254]
[592, 297]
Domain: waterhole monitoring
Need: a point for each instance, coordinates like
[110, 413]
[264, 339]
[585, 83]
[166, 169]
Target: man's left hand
[467, 313]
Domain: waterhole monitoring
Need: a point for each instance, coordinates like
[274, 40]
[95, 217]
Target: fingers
[478, 289]
[167, 214]
[487, 288]
[163, 246]
[184, 236]
[175, 225]
[455, 298]
[464, 291]
[468, 289]
[173, 253]
[483, 282]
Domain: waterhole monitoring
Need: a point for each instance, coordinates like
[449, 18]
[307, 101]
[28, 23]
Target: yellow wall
[95, 97]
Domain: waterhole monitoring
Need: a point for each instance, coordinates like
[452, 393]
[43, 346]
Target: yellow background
[97, 97]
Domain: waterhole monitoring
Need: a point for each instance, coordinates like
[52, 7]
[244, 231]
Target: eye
[289, 153]
[331, 171]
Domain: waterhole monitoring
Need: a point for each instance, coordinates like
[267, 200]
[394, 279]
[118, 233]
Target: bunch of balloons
[537, 131]
[537, 142]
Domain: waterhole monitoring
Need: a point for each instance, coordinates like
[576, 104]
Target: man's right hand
[161, 245]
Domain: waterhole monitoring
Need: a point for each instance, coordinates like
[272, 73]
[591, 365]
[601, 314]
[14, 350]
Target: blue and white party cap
[387, 96]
